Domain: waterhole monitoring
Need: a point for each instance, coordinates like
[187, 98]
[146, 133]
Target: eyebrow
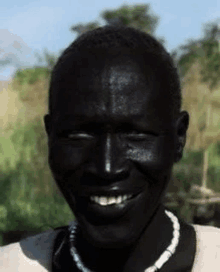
[83, 121]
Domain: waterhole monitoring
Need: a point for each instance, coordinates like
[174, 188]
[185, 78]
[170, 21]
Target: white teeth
[119, 199]
[111, 200]
[104, 201]
[125, 197]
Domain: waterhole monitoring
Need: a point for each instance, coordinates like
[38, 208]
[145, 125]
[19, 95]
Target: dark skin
[113, 133]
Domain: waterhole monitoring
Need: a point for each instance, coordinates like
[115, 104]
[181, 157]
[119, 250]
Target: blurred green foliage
[31, 75]
[189, 170]
[25, 82]
[138, 16]
[30, 199]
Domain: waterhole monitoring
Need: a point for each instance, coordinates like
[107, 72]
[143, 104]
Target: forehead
[112, 85]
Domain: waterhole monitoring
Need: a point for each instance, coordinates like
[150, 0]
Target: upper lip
[88, 191]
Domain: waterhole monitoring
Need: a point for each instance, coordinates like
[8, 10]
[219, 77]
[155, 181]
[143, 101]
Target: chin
[114, 230]
[108, 235]
[113, 226]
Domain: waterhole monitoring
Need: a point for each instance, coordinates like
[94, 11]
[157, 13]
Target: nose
[110, 161]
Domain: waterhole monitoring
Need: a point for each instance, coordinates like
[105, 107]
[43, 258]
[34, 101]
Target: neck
[148, 247]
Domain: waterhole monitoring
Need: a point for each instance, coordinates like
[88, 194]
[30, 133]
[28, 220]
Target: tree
[205, 53]
[137, 16]
[47, 58]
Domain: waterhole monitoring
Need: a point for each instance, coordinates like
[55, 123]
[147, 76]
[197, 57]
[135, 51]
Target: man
[115, 129]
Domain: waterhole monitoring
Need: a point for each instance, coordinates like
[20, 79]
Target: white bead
[79, 265]
[151, 269]
[164, 257]
[76, 258]
[171, 249]
[176, 233]
[167, 254]
[175, 240]
[177, 227]
[168, 213]
[175, 222]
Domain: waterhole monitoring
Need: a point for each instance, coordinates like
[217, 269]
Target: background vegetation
[30, 200]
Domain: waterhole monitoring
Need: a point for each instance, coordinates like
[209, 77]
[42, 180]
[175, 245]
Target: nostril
[116, 175]
[110, 172]
[104, 178]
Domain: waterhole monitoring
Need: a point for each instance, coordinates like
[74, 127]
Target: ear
[182, 125]
[47, 123]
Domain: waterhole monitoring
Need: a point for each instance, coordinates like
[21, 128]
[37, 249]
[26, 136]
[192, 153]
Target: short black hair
[119, 37]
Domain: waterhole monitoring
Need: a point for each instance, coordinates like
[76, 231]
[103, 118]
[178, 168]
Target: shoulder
[207, 231]
[207, 236]
[207, 256]
[33, 253]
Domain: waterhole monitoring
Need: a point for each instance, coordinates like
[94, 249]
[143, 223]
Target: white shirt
[34, 254]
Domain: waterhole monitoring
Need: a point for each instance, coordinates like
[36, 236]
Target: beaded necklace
[164, 257]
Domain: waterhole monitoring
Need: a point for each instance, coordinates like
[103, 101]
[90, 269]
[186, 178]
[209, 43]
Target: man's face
[111, 145]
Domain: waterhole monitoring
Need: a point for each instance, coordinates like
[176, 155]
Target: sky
[29, 27]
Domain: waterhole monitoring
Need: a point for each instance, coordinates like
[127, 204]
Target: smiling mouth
[104, 206]
[110, 200]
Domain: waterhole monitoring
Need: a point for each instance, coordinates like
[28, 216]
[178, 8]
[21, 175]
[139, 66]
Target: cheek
[155, 156]
[64, 157]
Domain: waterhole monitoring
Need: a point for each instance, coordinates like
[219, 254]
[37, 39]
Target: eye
[76, 135]
[79, 136]
[139, 136]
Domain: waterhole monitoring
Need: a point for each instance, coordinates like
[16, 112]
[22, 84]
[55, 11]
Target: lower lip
[97, 211]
